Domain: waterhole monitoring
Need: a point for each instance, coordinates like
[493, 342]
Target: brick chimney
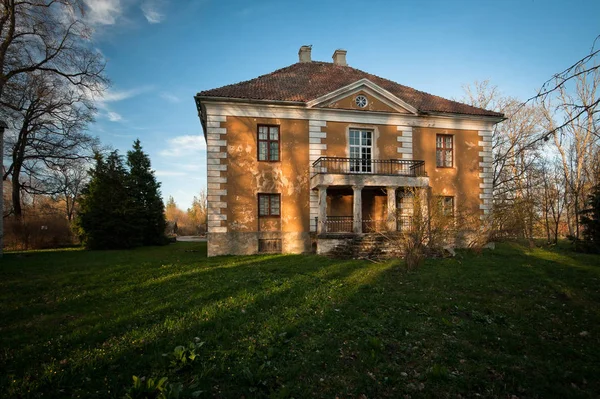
[339, 57]
[304, 54]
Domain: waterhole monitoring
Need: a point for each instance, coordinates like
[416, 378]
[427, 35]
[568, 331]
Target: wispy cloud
[152, 11]
[103, 12]
[120, 95]
[169, 173]
[193, 167]
[113, 96]
[118, 12]
[183, 145]
[121, 135]
[170, 97]
[113, 116]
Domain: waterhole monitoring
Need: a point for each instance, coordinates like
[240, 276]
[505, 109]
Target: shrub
[38, 232]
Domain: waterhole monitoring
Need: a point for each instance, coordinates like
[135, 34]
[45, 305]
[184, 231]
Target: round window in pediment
[361, 101]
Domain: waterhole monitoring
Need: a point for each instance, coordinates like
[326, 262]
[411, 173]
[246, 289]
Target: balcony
[390, 167]
[334, 171]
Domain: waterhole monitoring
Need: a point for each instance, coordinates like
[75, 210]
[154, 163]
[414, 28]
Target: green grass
[500, 323]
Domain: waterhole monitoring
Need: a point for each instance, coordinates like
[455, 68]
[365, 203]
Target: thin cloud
[122, 135]
[103, 12]
[113, 116]
[119, 95]
[193, 167]
[113, 96]
[170, 97]
[169, 173]
[183, 145]
[151, 10]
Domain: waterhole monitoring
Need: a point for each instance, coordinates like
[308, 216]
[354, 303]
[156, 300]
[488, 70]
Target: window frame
[360, 164]
[263, 245]
[442, 205]
[269, 196]
[268, 141]
[366, 101]
[443, 149]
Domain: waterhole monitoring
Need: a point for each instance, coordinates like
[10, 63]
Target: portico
[357, 195]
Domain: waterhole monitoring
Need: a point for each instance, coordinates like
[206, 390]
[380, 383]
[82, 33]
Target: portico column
[357, 210]
[322, 216]
[391, 208]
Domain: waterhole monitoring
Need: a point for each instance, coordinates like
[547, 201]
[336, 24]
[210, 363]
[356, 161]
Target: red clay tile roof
[305, 81]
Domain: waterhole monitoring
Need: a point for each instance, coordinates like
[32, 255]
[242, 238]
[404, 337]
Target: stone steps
[368, 246]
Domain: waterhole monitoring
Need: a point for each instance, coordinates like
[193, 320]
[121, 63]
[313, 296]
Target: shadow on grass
[306, 326]
[164, 312]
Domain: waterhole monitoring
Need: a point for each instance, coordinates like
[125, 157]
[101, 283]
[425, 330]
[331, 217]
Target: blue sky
[160, 53]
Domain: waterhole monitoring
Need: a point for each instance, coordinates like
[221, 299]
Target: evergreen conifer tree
[147, 205]
[106, 217]
[590, 220]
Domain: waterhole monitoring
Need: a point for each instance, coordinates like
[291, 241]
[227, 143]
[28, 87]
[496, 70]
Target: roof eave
[490, 118]
[202, 98]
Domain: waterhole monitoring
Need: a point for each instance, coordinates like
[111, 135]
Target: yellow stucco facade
[308, 195]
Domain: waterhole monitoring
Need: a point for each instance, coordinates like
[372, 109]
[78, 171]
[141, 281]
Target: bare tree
[46, 36]
[50, 117]
[515, 148]
[515, 144]
[575, 137]
[553, 199]
[67, 180]
[198, 212]
[560, 82]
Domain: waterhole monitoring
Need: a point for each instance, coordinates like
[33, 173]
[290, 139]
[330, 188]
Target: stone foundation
[327, 244]
[246, 243]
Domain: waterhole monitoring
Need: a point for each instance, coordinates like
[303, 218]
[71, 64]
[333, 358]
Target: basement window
[268, 143]
[269, 246]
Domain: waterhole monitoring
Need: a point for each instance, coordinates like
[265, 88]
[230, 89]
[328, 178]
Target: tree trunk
[16, 191]
[577, 215]
[547, 225]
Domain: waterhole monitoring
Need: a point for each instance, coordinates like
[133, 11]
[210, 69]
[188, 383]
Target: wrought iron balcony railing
[344, 224]
[394, 167]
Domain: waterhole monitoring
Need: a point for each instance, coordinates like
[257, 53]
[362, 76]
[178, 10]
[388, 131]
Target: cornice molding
[451, 121]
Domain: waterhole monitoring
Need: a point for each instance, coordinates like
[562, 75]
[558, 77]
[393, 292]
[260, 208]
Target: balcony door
[361, 148]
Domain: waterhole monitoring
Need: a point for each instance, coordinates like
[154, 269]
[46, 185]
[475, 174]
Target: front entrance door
[360, 150]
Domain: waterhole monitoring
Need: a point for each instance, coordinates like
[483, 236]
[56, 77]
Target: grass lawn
[500, 323]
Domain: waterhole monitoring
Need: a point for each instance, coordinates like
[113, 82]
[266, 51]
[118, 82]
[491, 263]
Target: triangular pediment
[377, 99]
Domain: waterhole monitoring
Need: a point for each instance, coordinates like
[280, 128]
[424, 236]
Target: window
[269, 205]
[360, 150]
[269, 246]
[268, 143]
[443, 150]
[361, 101]
[446, 205]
